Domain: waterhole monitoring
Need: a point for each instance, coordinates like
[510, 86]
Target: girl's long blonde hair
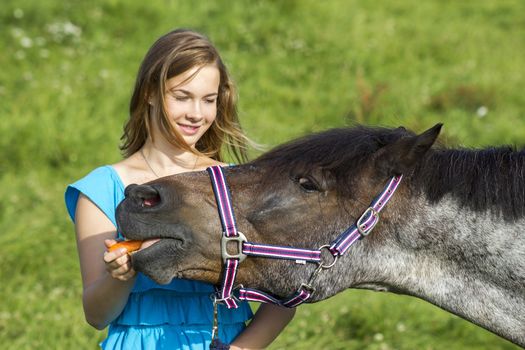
[172, 54]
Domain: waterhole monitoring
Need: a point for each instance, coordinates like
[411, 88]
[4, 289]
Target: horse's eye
[307, 184]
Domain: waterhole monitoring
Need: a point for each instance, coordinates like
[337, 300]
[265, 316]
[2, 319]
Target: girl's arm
[268, 322]
[107, 277]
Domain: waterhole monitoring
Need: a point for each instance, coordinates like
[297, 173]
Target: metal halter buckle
[363, 218]
[239, 239]
[334, 257]
[307, 287]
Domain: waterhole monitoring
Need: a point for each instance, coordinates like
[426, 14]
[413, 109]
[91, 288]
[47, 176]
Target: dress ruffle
[169, 319]
[167, 337]
[162, 306]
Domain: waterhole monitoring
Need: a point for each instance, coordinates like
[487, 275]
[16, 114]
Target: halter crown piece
[362, 227]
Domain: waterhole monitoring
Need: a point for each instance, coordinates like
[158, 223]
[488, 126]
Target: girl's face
[192, 104]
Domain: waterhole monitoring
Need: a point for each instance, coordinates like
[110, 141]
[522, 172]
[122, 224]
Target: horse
[452, 233]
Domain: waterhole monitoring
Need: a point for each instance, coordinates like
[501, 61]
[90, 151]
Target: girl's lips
[189, 129]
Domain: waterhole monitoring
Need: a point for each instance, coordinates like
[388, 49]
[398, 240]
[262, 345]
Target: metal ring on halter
[214, 296]
[327, 247]
[221, 300]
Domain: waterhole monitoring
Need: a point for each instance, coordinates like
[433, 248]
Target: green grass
[301, 66]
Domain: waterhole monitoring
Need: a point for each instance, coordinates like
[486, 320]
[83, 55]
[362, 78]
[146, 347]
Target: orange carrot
[130, 245]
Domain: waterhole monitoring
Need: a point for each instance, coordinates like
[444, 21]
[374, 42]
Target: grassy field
[67, 70]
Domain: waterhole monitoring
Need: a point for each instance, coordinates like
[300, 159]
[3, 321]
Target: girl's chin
[191, 140]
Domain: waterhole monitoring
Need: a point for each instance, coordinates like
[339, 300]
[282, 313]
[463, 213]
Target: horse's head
[302, 194]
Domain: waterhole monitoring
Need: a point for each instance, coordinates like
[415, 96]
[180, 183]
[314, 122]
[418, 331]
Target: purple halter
[338, 247]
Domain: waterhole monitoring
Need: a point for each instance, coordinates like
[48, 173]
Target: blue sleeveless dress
[178, 315]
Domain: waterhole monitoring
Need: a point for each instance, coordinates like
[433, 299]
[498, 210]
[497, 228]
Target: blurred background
[67, 70]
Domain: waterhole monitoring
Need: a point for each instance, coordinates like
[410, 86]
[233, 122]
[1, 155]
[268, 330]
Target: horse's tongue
[148, 243]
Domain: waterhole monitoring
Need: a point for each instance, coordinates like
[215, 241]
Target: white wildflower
[26, 42]
[379, 337]
[18, 13]
[344, 310]
[104, 74]
[482, 111]
[71, 29]
[56, 293]
[384, 346]
[62, 30]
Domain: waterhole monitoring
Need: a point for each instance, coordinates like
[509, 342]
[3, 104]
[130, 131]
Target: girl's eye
[181, 98]
[307, 184]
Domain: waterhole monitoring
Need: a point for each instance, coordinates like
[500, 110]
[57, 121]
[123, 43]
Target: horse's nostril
[143, 195]
[151, 202]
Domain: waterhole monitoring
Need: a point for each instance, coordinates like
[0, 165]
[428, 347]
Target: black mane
[340, 154]
[481, 179]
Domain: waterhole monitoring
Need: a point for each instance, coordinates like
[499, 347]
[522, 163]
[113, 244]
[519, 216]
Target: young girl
[181, 114]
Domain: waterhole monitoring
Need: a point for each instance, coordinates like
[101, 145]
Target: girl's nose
[195, 113]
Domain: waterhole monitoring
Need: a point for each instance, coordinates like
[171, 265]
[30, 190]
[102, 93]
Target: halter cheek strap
[338, 247]
[367, 221]
[229, 231]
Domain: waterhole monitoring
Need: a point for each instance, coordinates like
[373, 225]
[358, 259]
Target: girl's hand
[118, 262]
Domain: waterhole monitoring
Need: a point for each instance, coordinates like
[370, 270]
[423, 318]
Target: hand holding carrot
[117, 259]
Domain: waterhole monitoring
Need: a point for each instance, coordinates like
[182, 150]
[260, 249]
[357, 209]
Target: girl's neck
[162, 160]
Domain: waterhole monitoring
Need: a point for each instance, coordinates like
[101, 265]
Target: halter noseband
[338, 247]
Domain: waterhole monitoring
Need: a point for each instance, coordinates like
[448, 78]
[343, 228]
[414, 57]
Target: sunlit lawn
[301, 66]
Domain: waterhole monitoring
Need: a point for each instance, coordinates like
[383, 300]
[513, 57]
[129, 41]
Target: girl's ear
[401, 156]
[150, 98]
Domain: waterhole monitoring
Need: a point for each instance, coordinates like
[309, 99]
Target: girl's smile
[189, 130]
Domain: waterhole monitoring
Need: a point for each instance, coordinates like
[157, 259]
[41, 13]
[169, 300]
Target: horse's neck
[480, 242]
[470, 263]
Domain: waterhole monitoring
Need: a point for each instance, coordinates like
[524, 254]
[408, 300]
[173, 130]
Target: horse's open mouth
[157, 244]
[147, 243]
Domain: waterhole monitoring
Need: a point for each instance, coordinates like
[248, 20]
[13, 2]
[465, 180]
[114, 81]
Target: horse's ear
[401, 156]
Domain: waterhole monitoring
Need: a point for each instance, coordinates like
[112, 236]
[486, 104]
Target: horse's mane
[480, 179]
[339, 154]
